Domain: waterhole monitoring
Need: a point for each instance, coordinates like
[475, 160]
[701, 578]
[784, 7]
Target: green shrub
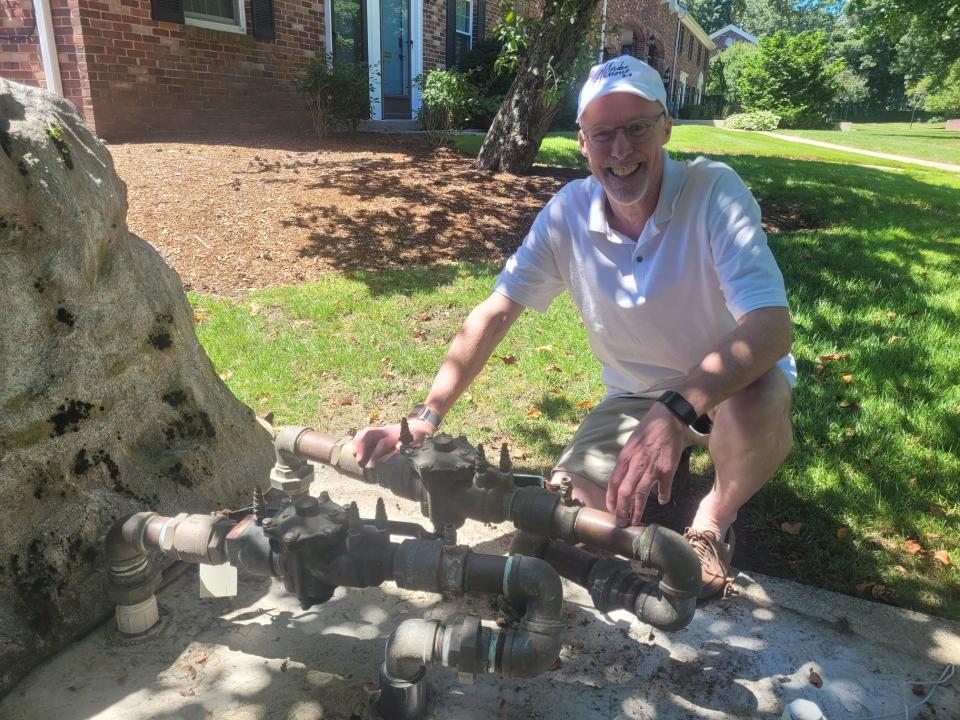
[759, 120]
[791, 76]
[338, 94]
[448, 101]
[480, 67]
[945, 98]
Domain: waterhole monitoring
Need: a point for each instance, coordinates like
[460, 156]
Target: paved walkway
[260, 657]
[949, 167]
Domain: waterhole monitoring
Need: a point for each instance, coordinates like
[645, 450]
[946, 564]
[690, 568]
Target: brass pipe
[598, 529]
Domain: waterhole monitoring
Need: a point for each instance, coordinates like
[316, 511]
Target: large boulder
[108, 404]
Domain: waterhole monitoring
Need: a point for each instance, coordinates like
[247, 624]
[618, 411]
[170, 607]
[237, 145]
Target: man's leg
[751, 437]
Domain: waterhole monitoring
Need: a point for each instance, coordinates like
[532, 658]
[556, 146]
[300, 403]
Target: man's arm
[481, 332]
[651, 455]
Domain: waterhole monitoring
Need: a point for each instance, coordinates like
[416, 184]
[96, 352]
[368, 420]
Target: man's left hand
[649, 458]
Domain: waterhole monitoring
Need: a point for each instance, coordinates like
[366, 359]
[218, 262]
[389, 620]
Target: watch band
[678, 405]
[422, 412]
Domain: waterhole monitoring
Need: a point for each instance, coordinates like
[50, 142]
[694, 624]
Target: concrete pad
[258, 656]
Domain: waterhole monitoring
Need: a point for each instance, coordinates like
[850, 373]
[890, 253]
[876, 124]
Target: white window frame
[469, 32]
[206, 22]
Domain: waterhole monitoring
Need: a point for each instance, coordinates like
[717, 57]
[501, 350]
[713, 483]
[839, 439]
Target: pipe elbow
[532, 583]
[664, 612]
[672, 557]
[528, 653]
[410, 648]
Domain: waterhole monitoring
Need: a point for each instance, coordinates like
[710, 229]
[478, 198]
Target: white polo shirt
[653, 308]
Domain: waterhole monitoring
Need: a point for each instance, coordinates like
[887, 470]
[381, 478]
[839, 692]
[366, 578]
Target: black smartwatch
[678, 405]
[422, 412]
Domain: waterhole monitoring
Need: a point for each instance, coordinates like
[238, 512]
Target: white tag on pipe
[218, 580]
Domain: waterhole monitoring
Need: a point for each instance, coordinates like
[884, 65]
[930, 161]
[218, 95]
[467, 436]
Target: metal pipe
[48, 46]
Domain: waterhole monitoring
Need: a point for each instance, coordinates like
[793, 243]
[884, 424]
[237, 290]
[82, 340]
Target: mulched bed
[235, 213]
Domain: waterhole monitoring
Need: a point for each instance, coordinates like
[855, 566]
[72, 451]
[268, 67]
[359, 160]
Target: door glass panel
[395, 46]
[349, 32]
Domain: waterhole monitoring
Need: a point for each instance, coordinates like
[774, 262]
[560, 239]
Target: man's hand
[375, 443]
[649, 458]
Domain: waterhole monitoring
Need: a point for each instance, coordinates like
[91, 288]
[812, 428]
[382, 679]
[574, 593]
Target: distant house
[141, 67]
[729, 34]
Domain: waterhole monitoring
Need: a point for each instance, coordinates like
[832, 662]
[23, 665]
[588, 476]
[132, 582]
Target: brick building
[730, 34]
[136, 67]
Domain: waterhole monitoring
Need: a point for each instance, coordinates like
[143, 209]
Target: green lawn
[870, 256]
[927, 142]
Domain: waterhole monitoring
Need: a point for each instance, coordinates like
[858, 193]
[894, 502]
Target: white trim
[416, 59]
[373, 58]
[328, 29]
[736, 29]
[239, 27]
[211, 25]
[48, 46]
[694, 27]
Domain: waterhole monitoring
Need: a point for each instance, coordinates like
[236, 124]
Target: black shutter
[262, 13]
[451, 33]
[167, 10]
[481, 19]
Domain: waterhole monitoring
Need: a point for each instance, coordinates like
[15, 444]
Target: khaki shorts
[592, 452]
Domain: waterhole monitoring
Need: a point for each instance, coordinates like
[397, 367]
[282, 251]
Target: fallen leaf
[226, 375]
[419, 334]
[556, 368]
[938, 509]
[815, 679]
[557, 391]
[843, 533]
[847, 379]
[388, 374]
[423, 317]
[345, 400]
[193, 672]
[942, 557]
[791, 528]
[545, 348]
[585, 405]
[912, 482]
[509, 359]
[891, 315]
[850, 432]
[283, 665]
[913, 547]
[534, 413]
[844, 405]
[201, 658]
[900, 570]
[893, 339]
[834, 357]
[374, 416]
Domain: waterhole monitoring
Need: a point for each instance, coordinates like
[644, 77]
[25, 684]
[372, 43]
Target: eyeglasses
[635, 132]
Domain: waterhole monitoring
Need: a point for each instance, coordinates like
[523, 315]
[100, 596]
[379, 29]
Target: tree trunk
[526, 112]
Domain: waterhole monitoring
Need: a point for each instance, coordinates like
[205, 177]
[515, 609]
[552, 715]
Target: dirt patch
[232, 214]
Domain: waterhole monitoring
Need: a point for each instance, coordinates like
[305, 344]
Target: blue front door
[395, 51]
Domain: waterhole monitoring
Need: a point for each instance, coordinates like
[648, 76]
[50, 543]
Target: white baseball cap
[624, 74]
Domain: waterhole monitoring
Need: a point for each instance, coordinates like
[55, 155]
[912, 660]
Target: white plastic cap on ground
[138, 618]
[801, 709]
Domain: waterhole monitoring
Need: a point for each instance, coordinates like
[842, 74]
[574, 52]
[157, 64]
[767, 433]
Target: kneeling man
[684, 307]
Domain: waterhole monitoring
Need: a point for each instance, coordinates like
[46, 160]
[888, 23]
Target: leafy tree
[726, 69]
[946, 98]
[874, 58]
[711, 14]
[763, 17]
[927, 32]
[545, 67]
[791, 77]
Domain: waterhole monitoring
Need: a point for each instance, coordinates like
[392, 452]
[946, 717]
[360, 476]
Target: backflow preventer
[315, 546]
